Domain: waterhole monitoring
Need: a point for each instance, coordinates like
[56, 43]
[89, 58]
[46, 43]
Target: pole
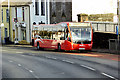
[118, 19]
[118, 16]
[9, 17]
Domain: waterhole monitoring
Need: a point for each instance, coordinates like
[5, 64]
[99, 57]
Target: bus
[63, 36]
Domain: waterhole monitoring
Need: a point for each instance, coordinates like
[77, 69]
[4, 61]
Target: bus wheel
[59, 47]
[38, 47]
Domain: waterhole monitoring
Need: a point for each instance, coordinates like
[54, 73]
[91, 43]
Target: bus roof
[61, 25]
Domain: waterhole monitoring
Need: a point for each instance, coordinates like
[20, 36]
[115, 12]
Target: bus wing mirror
[67, 30]
[93, 30]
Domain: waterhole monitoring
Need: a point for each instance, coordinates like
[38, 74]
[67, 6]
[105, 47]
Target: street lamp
[9, 16]
[118, 20]
[2, 25]
[118, 17]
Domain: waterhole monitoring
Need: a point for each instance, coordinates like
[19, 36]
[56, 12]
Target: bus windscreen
[81, 35]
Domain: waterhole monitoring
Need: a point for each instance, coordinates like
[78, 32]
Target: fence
[105, 27]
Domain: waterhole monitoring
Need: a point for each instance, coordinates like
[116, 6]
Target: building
[16, 21]
[60, 11]
[82, 17]
[96, 17]
[4, 28]
[50, 11]
[25, 14]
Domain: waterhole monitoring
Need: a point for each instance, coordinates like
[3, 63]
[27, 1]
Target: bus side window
[66, 32]
[69, 39]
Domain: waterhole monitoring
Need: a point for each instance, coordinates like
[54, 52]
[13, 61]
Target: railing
[105, 27]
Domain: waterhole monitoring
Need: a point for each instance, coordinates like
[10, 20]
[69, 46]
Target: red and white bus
[63, 36]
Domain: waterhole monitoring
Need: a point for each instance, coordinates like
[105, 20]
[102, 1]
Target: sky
[93, 7]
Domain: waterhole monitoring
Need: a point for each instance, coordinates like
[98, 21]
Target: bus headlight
[72, 45]
[89, 44]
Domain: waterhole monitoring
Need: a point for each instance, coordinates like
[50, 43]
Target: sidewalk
[99, 53]
[106, 51]
[12, 45]
[93, 50]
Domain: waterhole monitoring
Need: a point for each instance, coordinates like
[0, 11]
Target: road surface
[21, 62]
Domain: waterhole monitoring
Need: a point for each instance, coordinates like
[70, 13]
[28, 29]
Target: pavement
[99, 53]
[106, 51]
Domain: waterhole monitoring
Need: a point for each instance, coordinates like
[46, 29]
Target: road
[21, 62]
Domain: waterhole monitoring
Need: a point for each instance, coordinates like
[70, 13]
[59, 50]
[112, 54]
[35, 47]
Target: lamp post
[2, 25]
[9, 16]
[118, 21]
[118, 17]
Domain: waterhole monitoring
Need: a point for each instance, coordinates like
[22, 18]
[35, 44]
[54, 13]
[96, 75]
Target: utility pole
[118, 19]
[9, 18]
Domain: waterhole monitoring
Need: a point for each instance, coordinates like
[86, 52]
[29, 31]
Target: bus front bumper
[82, 46]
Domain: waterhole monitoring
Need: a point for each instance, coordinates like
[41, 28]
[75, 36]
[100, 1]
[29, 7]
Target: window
[23, 13]
[5, 32]
[53, 9]
[34, 23]
[63, 8]
[7, 15]
[42, 7]
[2, 15]
[36, 7]
[49, 32]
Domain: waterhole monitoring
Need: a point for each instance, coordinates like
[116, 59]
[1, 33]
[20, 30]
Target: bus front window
[81, 35]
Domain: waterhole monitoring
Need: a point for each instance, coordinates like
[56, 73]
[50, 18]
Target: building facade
[20, 23]
[50, 11]
[4, 28]
[96, 17]
[16, 21]
[60, 11]
[25, 14]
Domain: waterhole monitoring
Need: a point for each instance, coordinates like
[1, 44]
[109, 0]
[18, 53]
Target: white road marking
[36, 77]
[11, 61]
[31, 71]
[68, 61]
[19, 65]
[19, 52]
[88, 67]
[109, 76]
[62, 73]
[54, 58]
[50, 57]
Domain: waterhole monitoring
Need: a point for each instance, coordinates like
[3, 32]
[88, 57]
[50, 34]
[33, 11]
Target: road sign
[117, 32]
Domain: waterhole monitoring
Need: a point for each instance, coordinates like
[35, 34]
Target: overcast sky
[93, 7]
